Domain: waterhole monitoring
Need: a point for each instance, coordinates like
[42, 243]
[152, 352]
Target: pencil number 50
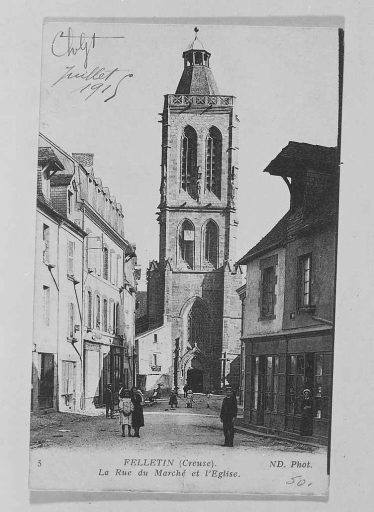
[298, 480]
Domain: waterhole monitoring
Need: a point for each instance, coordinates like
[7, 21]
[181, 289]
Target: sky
[285, 81]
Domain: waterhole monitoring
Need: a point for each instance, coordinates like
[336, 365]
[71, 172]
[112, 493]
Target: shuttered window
[71, 247]
[70, 320]
[105, 263]
[105, 315]
[268, 292]
[97, 312]
[89, 308]
[45, 243]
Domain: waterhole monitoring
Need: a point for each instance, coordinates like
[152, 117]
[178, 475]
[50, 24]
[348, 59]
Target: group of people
[188, 395]
[130, 406]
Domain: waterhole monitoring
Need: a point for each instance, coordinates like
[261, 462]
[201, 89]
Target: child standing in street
[208, 400]
[126, 408]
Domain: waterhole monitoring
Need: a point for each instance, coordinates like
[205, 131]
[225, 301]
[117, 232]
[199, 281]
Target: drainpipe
[58, 316]
[82, 389]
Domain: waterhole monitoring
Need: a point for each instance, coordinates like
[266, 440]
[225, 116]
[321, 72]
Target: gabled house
[85, 285]
[288, 316]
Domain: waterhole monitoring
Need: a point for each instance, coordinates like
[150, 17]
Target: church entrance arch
[195, 375]
[195, 380]
[194, 364]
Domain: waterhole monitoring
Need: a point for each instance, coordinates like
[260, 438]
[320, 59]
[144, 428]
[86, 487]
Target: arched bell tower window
[187, 243]
[214, 161]
[211, 243]
[197, 327]
[188, 161]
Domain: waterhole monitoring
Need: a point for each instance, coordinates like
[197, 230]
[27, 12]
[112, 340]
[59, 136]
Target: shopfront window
[271, 383]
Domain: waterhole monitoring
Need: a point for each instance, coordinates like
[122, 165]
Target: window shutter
[91, 261]
[98, 252]
[119, 271]
[70, 258]
[113, 267]
[260, 290]
[64, 378]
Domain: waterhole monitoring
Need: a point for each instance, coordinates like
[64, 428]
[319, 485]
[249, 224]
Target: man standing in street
[109, 401]
[229, 411]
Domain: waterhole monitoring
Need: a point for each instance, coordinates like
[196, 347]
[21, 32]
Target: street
[182, 427]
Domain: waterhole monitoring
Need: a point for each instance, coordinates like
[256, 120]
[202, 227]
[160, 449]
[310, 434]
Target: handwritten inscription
[99, 78]
[299, 481]
[63, 44]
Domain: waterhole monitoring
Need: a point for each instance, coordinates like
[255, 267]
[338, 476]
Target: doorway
[68, 383]
[195, 380]
[46, 384]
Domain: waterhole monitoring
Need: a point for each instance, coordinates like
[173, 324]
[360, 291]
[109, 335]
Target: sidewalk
[281, 436]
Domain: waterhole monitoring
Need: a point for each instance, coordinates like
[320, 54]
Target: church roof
[197, 80]
[197, 77]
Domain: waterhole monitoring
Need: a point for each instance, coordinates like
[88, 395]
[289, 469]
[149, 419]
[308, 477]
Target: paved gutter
[243, 430]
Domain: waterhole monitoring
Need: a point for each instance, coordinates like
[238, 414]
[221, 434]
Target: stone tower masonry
[193, 285]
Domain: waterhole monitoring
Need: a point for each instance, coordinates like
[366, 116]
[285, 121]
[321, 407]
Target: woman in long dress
[306, 425]
[137, 415]
[126, 408]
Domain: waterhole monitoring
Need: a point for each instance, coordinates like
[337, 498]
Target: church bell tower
[193, 285]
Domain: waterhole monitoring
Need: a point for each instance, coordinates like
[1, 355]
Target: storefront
[277, 371]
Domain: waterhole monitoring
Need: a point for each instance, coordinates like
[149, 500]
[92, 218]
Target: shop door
[117, 368]
[258, 390]
[300, 376]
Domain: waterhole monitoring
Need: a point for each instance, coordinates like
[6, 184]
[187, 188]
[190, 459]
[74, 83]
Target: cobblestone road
[188, 428]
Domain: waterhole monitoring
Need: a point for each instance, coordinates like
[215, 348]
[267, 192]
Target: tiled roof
[299, 221]
[197, 80]
[275, 238]
[61, 179]
[47, 155]
[292, 226]
[303, 153]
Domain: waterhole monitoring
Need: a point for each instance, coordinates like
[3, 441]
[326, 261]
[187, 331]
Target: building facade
[288, 315]
[93, 269]
[192, 285]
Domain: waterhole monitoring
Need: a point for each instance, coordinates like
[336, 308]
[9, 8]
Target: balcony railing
[199, 100]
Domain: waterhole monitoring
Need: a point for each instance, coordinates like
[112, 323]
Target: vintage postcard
[187, 187]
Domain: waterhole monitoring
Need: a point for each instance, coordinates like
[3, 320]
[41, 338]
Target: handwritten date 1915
[99, 79]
